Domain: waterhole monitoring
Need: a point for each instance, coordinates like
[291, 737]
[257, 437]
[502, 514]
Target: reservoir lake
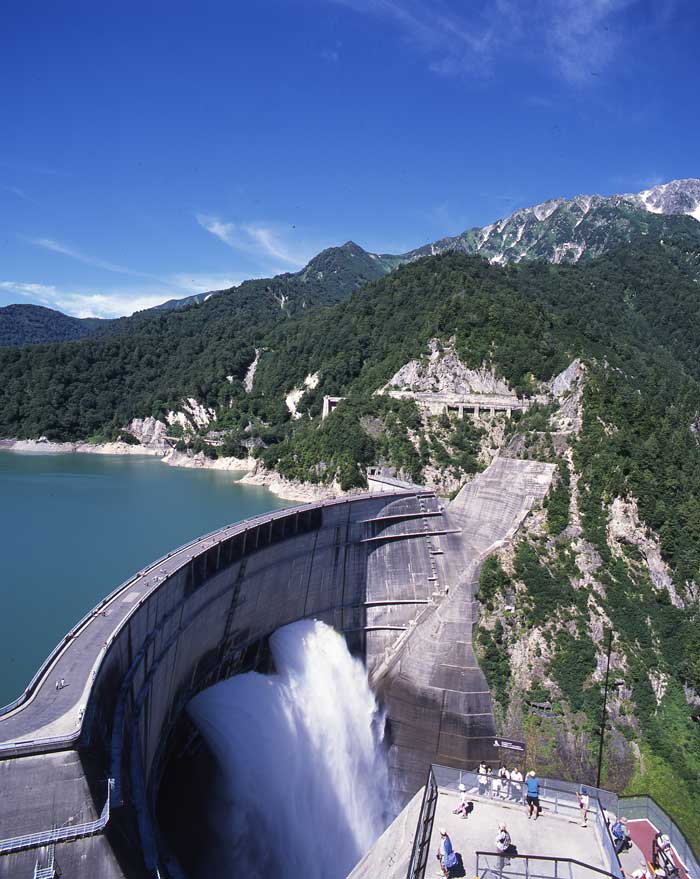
[73, 527]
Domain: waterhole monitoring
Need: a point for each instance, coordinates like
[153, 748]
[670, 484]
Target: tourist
[620, 835]
[516, 785]
[464, 807]
[489, 776]
[504, 844]
[504, 777]
[661, 854]
[483, 779]
[532, 784]
[446, 854]
[583, 803]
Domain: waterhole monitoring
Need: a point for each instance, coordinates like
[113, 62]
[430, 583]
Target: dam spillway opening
[299, 781]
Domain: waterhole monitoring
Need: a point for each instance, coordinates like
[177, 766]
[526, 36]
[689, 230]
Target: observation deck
[554, 846]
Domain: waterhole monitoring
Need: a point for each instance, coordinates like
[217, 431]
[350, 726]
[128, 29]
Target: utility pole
[605, 710]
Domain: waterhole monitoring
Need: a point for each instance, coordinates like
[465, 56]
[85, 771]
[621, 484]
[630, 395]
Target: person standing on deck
[446, 854]
[532, 784]
[583, 804]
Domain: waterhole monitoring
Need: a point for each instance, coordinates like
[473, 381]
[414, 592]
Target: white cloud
[265, 242]
[113, 303]
[576, 39]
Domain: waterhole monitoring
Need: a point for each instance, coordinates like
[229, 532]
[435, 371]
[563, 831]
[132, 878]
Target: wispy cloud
[15, 190]
[576, 39]
[65, 250]
[264, 241]
[114, 303]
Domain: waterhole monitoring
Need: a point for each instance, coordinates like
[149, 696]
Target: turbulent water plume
[304, 779]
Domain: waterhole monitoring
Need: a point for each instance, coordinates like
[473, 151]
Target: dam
[87, 749]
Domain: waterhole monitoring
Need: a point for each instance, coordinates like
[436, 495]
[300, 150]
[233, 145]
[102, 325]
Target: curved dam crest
[394, 573]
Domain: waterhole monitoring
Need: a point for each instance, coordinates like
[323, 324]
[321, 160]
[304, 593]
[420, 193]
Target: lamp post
[605, 711]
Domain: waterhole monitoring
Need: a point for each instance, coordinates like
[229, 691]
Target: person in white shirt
[483, 779]
[504, 777]
[516, 785]
[583, 804]
[462, 809]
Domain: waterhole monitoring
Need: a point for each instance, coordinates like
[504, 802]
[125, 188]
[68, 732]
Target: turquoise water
[73, 527]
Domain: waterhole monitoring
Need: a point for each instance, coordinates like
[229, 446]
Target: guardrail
[644, 806]
[556, 796]
[424, 829]
[505, 866]
[58, 834]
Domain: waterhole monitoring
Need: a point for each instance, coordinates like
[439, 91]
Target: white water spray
[303, 764]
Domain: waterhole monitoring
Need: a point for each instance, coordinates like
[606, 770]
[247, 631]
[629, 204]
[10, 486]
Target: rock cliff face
[149, 432]
[442, 372]
[625, 527]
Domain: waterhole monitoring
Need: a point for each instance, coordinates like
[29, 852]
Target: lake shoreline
[253, 472]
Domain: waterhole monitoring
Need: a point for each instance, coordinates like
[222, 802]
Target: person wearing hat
[503, 840]
[446, 854]
[620, 835]
[463, 809]
[583, 803]
[532, 785]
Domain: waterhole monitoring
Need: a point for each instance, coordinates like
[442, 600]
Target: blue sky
[151, 150]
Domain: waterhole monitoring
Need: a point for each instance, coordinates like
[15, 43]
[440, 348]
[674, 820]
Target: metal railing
[641, 807]
[557, 797]
[424, 829]
[58, 834]
[497, 865]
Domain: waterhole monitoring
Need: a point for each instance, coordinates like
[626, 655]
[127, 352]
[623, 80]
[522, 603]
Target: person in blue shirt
[620, 835]
[446, 854]
[533, 795]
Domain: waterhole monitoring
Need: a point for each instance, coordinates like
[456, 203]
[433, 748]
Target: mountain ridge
[557, 230]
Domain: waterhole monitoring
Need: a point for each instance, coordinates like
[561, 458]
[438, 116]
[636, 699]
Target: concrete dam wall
[390, 571]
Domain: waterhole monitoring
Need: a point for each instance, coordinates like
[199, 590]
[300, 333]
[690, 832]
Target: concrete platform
[551, 835]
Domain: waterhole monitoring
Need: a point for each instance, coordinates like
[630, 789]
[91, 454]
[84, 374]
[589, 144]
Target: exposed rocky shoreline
[255, 474]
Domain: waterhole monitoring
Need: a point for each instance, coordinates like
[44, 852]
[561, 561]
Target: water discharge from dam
[303, 787]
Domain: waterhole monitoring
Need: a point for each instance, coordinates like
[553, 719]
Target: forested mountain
[559, 231]
[34, 324]
[149, 362]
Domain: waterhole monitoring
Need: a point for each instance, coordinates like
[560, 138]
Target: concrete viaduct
[81, 767]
